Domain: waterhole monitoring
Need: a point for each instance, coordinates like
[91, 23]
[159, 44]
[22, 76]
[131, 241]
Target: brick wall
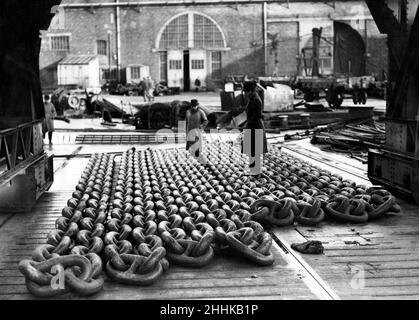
[241, 25]
[282, 59]
[242, 28]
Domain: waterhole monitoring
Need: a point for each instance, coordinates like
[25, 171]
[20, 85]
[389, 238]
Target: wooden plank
[13, 289]
[379, 292]
[377, 254]
[392, 282]
[329, 272]
[150, 293]
[117, 291]
[10, 273]
[310, 276]
[11, 280]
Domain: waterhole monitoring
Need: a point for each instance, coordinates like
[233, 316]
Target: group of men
[254, 142]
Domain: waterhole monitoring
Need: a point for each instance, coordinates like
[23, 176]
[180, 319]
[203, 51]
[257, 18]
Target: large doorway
[184, 67]
[198, 69]
[191, 40]
[349, 50]
[175, 69]
[186, 71]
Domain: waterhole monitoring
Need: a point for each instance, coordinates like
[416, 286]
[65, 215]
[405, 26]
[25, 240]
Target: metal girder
[388, 24]
[409, 69]
[384, 17]
[400, 51]
[16, 148]
[403, 14]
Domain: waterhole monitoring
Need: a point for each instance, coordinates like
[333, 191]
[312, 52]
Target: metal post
[316, 45]
[109, 52]
[118, 42]
[265, 35]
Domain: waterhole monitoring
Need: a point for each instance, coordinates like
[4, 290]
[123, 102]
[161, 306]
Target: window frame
[59, 35]
[197, 64]
[220, 62]
[163, 65]
[175, 64]
[102, 42]
[135, 70]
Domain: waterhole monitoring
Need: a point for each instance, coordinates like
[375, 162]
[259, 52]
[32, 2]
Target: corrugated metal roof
[77, 59]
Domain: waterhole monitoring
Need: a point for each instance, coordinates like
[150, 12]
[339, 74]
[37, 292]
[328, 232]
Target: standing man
[196, 121]
[197, 84]
[50, 114]
[254, 140]
[90, 108]
[150, 91]
[144, 87]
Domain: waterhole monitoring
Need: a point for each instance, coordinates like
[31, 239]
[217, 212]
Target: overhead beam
[151, 3]
[409, 69]
[387, 23]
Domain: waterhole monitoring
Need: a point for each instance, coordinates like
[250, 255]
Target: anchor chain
[135, 255]
[75, 244]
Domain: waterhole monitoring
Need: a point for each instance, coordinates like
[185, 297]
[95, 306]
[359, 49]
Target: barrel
[305, 119]
[283, 121]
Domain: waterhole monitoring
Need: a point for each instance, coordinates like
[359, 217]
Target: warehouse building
[180, 42]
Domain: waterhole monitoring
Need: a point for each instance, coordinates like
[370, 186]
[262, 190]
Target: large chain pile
[155, 207]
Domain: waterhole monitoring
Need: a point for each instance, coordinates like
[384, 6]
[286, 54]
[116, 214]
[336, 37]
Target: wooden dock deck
[378, 260]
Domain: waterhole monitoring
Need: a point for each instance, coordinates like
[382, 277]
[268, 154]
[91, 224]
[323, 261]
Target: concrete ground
[212, 100]
[208, 99]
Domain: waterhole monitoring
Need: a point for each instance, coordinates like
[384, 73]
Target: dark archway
[349, 50]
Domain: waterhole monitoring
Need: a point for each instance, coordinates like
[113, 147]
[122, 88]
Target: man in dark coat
[255, 143]
[196, 121]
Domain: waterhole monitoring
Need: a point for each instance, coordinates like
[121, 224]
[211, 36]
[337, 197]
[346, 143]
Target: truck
[333, 86]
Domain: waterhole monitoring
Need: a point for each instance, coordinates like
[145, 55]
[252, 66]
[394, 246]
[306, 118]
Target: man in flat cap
[196, 121]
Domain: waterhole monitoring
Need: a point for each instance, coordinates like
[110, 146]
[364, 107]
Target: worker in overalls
[254, 139]
[196, 121]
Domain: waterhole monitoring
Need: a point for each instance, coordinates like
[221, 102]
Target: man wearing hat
[196, 121]
[254, 138]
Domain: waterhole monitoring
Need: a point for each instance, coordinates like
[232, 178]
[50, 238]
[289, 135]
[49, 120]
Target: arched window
[206, 33]
[175, 35]
[191, 30]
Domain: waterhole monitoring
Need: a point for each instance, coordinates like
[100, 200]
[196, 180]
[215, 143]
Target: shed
[80, 70]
